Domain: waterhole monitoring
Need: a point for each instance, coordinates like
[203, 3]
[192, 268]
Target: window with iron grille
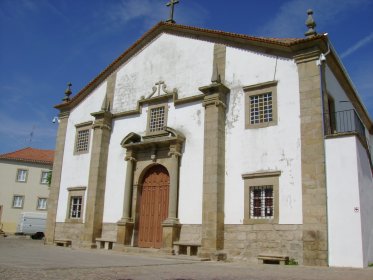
[76, 207]
[157, 119]
[261, 202]
[261, 108]
[82, 141]
[261, 105]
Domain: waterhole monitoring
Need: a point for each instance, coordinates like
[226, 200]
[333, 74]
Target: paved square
[31, 259]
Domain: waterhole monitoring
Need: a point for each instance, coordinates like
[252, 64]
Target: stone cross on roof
[171, 4]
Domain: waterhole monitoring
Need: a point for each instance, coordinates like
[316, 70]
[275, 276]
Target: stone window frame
[151, 107]
[23, 201]
[46, 204]
[81, 127]
[42, 178]
[26, 177]
[256, 90]
[75, 192]
[257, 179]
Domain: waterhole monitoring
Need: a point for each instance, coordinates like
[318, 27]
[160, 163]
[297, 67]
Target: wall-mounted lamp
[56, 119]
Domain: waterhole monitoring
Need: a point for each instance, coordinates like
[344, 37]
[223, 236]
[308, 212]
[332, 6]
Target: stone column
[171, 226]
[125, 224]
[315, 235]
[97, 178]
[56, 177]
[213, 171]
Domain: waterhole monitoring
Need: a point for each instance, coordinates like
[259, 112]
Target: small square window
[42, 203]
[82, 141]
[157, 119]
[44, 177]
[21, 175]
[261, 105]
[18, 201]
[82, 138]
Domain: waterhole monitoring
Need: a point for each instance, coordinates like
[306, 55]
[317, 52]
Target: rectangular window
[261, 197]
[82, 141]
[157, 119]
[21, 175]
[261, 105]
[75, 200]
[261, 108]
[18, 201]
[42, 203]
[76, 207]
[44, 177]
[261, 202]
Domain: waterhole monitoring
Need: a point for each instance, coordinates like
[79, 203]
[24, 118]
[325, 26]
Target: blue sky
[47, 43]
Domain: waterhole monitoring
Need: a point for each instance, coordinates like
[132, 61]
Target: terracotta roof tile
[30, 155]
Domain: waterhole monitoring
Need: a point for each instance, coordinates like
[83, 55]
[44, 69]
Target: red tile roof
[30, 155]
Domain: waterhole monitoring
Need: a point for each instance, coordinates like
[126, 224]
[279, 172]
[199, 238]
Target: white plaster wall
[187, 119]
[366, 203]
[181, 63]
[116, 168]
[263, 149]
[344, 223]
[75, 168]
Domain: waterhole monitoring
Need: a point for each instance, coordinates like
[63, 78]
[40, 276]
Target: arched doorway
[153, 206]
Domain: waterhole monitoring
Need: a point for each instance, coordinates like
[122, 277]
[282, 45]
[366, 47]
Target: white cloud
[290, 19]
[366, 40]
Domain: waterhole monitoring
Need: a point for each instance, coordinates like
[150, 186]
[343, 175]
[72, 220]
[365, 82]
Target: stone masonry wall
[246, 242]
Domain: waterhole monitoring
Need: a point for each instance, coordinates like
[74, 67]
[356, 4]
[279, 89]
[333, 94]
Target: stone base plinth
[124, 232]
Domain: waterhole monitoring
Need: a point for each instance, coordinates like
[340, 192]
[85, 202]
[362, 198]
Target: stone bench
[105, 243]
[186, 248]
[272, 259]
[63, 242]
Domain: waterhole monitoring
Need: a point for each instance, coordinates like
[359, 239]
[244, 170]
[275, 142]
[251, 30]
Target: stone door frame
[141, 154]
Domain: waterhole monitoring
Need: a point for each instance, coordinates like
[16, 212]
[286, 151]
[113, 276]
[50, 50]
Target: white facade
[184, 64]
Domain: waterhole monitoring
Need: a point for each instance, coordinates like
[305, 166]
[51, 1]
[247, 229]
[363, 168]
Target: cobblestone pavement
[30, 259]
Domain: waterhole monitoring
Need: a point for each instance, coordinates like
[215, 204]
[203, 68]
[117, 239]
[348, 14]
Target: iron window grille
[261, 108]
[157, 119]
[82, 141]
[261, 202]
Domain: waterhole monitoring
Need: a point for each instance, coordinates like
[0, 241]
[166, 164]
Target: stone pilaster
[125, 224]
[56, 177]
[171, 225]
[97, 178]
[315, 235]
[213, 171]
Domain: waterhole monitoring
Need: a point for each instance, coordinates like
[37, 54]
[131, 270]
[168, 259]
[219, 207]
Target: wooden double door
[153, 206]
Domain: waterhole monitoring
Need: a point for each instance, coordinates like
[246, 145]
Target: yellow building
[23, 184]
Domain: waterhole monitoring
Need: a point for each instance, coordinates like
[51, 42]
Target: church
[220, 145]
